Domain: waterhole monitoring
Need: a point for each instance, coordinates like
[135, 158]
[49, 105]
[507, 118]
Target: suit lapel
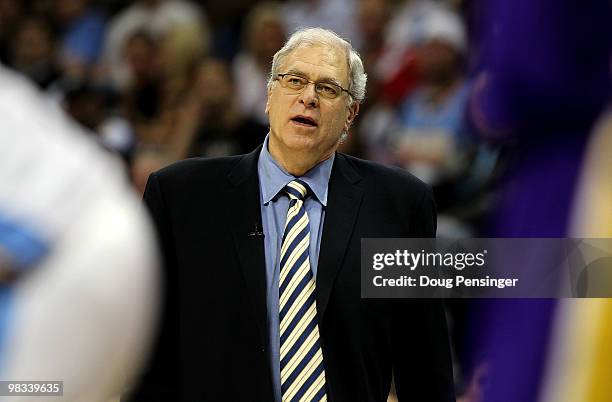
[343, 204]
[244, 217]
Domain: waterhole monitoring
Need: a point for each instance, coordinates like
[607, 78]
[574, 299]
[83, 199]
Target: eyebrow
[328, 80]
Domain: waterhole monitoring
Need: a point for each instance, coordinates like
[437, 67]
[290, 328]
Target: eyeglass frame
[280, 77]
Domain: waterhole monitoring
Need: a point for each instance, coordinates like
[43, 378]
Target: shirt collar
[273, 178]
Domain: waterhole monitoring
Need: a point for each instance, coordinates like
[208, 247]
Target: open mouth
[304, 121]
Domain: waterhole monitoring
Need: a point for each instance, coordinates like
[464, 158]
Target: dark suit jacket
[214, 337]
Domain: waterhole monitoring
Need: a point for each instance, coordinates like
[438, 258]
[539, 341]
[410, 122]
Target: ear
[268, 102]
[353, 111]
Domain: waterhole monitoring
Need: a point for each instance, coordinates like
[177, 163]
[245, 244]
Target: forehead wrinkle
[330, 58]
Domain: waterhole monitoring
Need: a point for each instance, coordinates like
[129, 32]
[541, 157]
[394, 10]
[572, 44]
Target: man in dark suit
[262, 255]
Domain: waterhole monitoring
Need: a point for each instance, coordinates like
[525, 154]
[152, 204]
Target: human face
[438, 62]
[305, 128]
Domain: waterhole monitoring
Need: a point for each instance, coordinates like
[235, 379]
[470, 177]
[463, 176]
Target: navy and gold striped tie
[302, 372]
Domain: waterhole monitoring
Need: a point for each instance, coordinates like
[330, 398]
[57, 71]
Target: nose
[309, 97]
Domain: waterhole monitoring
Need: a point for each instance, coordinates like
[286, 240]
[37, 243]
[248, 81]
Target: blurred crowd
[162, 80]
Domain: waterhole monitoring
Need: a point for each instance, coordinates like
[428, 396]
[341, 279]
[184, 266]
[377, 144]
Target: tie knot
[297, 190]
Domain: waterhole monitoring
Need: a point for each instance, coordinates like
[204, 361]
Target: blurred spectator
[391, 62]
[88, 104]
[143, 96]
[33, 51]
[156, 99]
[158, 18]
[219, 127]
[227, 20]
[181, 49]
[378, 120]
[337, 15]
[82, 35]
[372, 18]
[263, 36]
[206, 122]
[10, 13]
[396, 66]
[431, 143]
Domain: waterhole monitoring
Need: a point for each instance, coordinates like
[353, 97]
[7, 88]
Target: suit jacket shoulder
[197, 171]
[405, 196]
[381, 171]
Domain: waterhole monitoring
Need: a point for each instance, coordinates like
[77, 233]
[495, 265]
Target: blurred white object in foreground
[78, 268]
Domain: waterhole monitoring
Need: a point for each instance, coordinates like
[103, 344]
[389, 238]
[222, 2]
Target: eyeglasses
[297, 83]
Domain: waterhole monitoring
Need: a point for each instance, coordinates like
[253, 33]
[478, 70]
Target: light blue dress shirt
[274, 205]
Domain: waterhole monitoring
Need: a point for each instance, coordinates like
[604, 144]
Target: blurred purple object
[542, 74]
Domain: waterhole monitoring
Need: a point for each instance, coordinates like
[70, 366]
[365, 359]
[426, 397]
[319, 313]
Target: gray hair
[325, 37]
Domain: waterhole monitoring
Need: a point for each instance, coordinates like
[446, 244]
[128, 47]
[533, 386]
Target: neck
[295, 163]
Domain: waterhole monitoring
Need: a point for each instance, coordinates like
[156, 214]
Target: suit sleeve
[160, 381]
[419, 335]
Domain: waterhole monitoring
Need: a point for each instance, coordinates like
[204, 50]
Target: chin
[299, 141]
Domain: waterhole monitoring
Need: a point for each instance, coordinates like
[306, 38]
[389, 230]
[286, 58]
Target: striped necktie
[302, 372]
